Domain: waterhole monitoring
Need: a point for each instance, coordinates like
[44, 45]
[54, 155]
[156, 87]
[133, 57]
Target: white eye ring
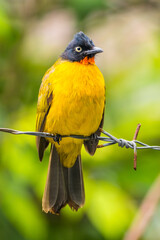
[78, 49]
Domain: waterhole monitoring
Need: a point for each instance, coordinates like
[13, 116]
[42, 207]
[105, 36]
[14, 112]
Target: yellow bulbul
[71, 101]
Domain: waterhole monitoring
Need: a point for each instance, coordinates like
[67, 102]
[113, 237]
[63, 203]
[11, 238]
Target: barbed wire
[110, 139]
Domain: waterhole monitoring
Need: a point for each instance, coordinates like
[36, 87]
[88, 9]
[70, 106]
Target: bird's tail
[63, 186]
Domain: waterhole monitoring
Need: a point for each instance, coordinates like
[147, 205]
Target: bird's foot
[57, 138]
[93, 136]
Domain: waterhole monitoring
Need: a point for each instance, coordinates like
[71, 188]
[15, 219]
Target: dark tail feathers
[63, 186]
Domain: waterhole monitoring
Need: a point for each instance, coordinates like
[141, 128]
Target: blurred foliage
[32, 36]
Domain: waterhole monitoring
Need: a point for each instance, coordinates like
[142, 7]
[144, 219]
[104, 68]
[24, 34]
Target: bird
[71, 100]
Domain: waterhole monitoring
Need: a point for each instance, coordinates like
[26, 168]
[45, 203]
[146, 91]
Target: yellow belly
[77, 107]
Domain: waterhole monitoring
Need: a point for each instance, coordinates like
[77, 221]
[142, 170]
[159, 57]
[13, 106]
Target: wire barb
[135, 146]
[110, 140]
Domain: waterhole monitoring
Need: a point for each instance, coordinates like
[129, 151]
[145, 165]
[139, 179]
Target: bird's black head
[80, 47]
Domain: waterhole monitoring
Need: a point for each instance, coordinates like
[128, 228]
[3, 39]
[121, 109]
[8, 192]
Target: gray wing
[91, 145]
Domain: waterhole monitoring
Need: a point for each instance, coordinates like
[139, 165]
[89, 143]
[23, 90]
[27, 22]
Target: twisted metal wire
[110, 139]
[124, 143]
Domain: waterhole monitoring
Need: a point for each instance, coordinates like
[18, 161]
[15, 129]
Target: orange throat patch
[87, 60]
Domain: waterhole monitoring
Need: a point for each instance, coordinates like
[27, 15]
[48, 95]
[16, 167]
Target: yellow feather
[78, 98]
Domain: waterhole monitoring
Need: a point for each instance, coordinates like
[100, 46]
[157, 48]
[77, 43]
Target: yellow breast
[78, 99]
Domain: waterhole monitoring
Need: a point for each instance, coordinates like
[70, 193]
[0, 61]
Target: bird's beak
[93, 51]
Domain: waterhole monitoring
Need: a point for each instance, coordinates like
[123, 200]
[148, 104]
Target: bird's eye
[78, 49]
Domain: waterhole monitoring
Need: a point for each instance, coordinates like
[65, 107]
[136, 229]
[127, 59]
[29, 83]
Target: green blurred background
[32, 35]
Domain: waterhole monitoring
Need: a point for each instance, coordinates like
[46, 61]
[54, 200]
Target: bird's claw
[93, 136]
[58, 138]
